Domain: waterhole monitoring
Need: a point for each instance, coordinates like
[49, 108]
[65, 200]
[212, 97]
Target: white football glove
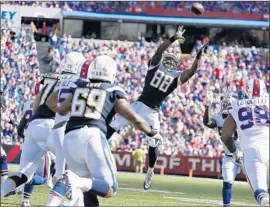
[209, 98]
[179, 34]
[238, 156]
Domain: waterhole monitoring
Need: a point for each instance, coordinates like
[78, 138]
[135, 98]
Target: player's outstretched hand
[179, 34]
[209, 98]
[199, 54]
[238, 156]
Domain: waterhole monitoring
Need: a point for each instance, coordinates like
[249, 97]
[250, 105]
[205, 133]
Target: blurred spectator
[181, 113]
[139, 155]
[256, 7]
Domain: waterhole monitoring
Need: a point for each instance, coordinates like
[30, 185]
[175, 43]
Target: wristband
[172, 39]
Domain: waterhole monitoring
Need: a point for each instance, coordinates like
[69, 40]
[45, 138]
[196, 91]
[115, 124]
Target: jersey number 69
[88, 103]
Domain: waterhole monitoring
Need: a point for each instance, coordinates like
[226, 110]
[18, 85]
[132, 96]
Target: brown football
[197, 8]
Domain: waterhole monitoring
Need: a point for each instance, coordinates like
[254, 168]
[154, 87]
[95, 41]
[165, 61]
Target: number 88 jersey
[159, 83]
[252, 120]
[93, 106]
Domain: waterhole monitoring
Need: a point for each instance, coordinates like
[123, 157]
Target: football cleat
[25, 203]
[148, 179]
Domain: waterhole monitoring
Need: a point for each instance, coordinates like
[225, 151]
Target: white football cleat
[70, 180]
[25, 204]
[264, 202]
[148, 179]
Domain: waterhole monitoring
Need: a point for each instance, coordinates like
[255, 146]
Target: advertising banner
[11, 14]
[173, 165]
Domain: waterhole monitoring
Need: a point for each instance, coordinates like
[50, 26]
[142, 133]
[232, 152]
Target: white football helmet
[102, 68]
[170, 61]
[255, 88]
[72, 62]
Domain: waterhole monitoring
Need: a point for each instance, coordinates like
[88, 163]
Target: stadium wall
[172, 165]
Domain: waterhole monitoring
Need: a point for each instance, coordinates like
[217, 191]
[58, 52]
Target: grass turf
[165, 191]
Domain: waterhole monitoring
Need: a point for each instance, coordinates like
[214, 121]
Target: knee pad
[227, 185]
[19, 180]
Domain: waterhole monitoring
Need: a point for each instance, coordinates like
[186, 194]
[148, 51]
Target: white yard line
[206, 201]
[150, 191]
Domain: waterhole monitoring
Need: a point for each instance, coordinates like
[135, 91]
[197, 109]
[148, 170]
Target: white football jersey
[252, 120]
[28, 108]
[64, 91]
[220, 122]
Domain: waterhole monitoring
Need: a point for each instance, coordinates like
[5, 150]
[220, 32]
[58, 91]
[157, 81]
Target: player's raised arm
[207, 121]
[123, 108]
[165, 45]
[187, 74]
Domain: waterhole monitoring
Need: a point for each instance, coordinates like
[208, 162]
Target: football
[197, 8]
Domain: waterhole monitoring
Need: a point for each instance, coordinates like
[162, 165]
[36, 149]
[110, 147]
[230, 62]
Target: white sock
[7, 186]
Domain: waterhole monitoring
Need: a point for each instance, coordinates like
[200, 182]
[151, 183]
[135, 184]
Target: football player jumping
[161, 80]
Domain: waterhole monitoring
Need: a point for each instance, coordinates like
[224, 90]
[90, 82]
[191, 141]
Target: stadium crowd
[182, 112]
[136, 7]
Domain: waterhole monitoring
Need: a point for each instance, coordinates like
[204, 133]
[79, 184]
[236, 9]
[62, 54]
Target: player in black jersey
[36, 134]
[91, 107]
[161, 80]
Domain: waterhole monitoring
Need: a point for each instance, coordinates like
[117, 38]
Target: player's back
[93, 105]
[159, 83]
[252, 119]
[50, 84]
[64, 90]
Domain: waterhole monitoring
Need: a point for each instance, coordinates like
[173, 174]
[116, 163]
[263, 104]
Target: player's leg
[73, 140]
[90, 200]
[152, 118]
[3, 166]
[59, 187]
[40, 178]
[37, 132]
[228, 178]
[30, 153]
[100, 165]
[29, 188]
[256, 171]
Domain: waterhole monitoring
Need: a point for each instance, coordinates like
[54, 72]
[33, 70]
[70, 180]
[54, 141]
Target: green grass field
[165, 191]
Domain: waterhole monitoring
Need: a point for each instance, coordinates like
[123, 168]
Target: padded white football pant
[256, 164]
[148, 114]
[88, 155]
[229, 169]
[55, 143]
[43, 168]
[34, 145]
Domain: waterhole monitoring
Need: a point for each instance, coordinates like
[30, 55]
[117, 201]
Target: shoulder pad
[116, 88]
[82, 82]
